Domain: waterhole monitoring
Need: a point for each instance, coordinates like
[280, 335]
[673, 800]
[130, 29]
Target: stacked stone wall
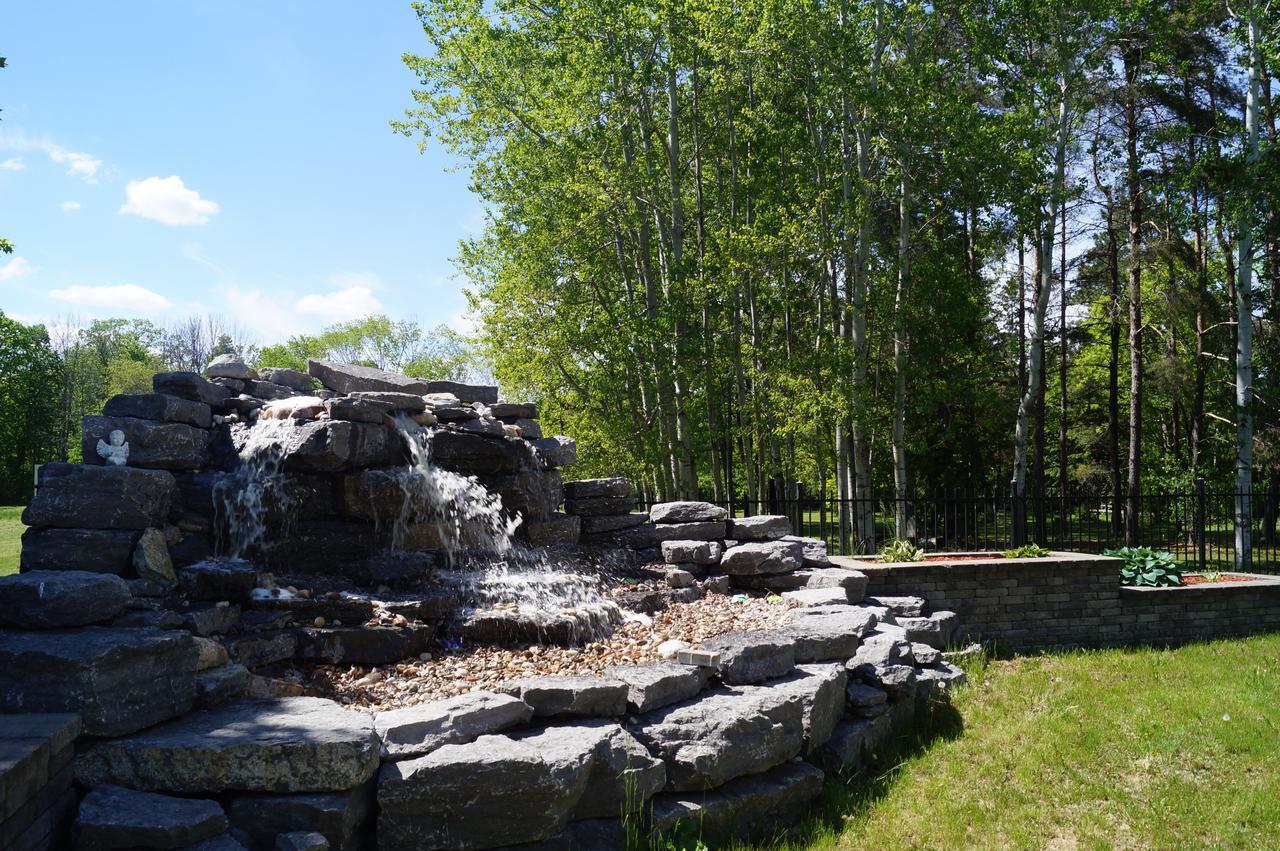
[1075, 600]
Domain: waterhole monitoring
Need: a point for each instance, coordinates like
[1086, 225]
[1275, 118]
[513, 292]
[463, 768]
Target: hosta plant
[1145, 566]
[1028, 551]
[901, 550]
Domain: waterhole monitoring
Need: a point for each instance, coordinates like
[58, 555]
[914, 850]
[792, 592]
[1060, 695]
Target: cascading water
[243, 499]
[484, 563]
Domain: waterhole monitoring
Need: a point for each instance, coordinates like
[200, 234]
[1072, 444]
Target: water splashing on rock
[244, 499]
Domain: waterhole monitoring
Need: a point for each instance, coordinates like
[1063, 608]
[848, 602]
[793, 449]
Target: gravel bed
[446, 673]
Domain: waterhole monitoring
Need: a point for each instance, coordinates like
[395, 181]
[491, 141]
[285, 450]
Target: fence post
[1018, 532]
[1200, 534]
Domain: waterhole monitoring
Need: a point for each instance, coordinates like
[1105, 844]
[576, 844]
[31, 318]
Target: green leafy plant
[1028, 551]
[1145, 566]
[901, 550]
[1211, 575]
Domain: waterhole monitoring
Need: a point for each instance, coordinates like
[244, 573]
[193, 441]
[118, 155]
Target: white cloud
[350, 303]
[71, 206]
[78, 164]
[14, 269]
[168, 201]
[129, 297]
[13, 164]
[268, 317]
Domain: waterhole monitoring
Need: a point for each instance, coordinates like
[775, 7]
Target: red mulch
[1226, 577]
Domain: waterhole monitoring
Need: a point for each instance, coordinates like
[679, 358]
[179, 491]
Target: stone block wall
[1074, 600]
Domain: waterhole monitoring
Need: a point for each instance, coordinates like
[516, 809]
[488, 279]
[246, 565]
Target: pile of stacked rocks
[337, 463]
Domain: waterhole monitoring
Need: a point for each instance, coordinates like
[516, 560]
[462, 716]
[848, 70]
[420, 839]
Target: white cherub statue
[117, 451]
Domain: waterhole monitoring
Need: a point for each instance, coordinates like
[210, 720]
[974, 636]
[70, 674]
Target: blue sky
[159, 159]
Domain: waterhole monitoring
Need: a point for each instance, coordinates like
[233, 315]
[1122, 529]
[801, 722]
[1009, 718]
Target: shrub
[1145, 566]
[901, 550]
[1028, 551]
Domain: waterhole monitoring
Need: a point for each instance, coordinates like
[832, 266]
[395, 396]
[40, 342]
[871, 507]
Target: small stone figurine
[117, 451]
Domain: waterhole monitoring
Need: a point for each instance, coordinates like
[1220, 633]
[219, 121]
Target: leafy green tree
[29, 372]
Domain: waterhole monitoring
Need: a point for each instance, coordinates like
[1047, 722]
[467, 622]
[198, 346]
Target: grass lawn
[10, 537]
[1100, 749]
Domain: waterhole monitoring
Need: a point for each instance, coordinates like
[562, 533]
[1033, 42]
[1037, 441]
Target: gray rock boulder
[356, 410]
[686, 512]
[557, 451]
[762, 527]
[293, 744]
[577, 695]
[114, 817]
[750, 656]
[936, 630]
[902, 607]
[91, 497]
[153, 445]
[595, 524]
[656, 684]
[151, 559]
[291, 378]
[159, 407]
[514, 410]
[750, 809]
[476, 454]
[827, 633]
[815, 551]
[853, 581]
[557, 529]
[218, 579]
[93, 550]
[615, 487]
[221, 685]
[723, 734]
[348, 378]
[762, 557]
[624, 776]
[490, 793]
[692, 552]
[599, 505]
[814, 597]
[702, 530]
[822, 690]
[417, 730]
[117, 680]
[189, 385]
[486, 394]
[50, 599]
[230, 366]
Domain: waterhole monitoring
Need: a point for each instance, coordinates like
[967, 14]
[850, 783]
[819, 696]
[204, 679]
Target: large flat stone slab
[756, 808]
[616, 487]
[94, 550]
[486, 394]
[348, 378]
[84, 496]
[331, 446]
[762, 527]
[657, 684]
[686, 511]
[828, 633]
[292, 744]
[490, 793]
[160, 407]
[762, 557]
[115, 817]
[822, 689]
[579, 695]
[190, 385]
[117, 680]
[478, 454]
[50, 599]
[413, 731]
[750, 656]
[153, 445]
[723, 734]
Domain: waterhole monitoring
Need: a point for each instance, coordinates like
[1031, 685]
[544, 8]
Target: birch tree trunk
[1244, 315]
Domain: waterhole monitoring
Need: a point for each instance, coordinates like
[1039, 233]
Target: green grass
[10, 538]
[1100, 749]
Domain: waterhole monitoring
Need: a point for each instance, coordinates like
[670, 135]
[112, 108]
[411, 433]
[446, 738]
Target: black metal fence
[1197, 526]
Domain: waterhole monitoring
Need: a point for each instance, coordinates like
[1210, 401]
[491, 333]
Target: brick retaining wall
[1074, 599]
